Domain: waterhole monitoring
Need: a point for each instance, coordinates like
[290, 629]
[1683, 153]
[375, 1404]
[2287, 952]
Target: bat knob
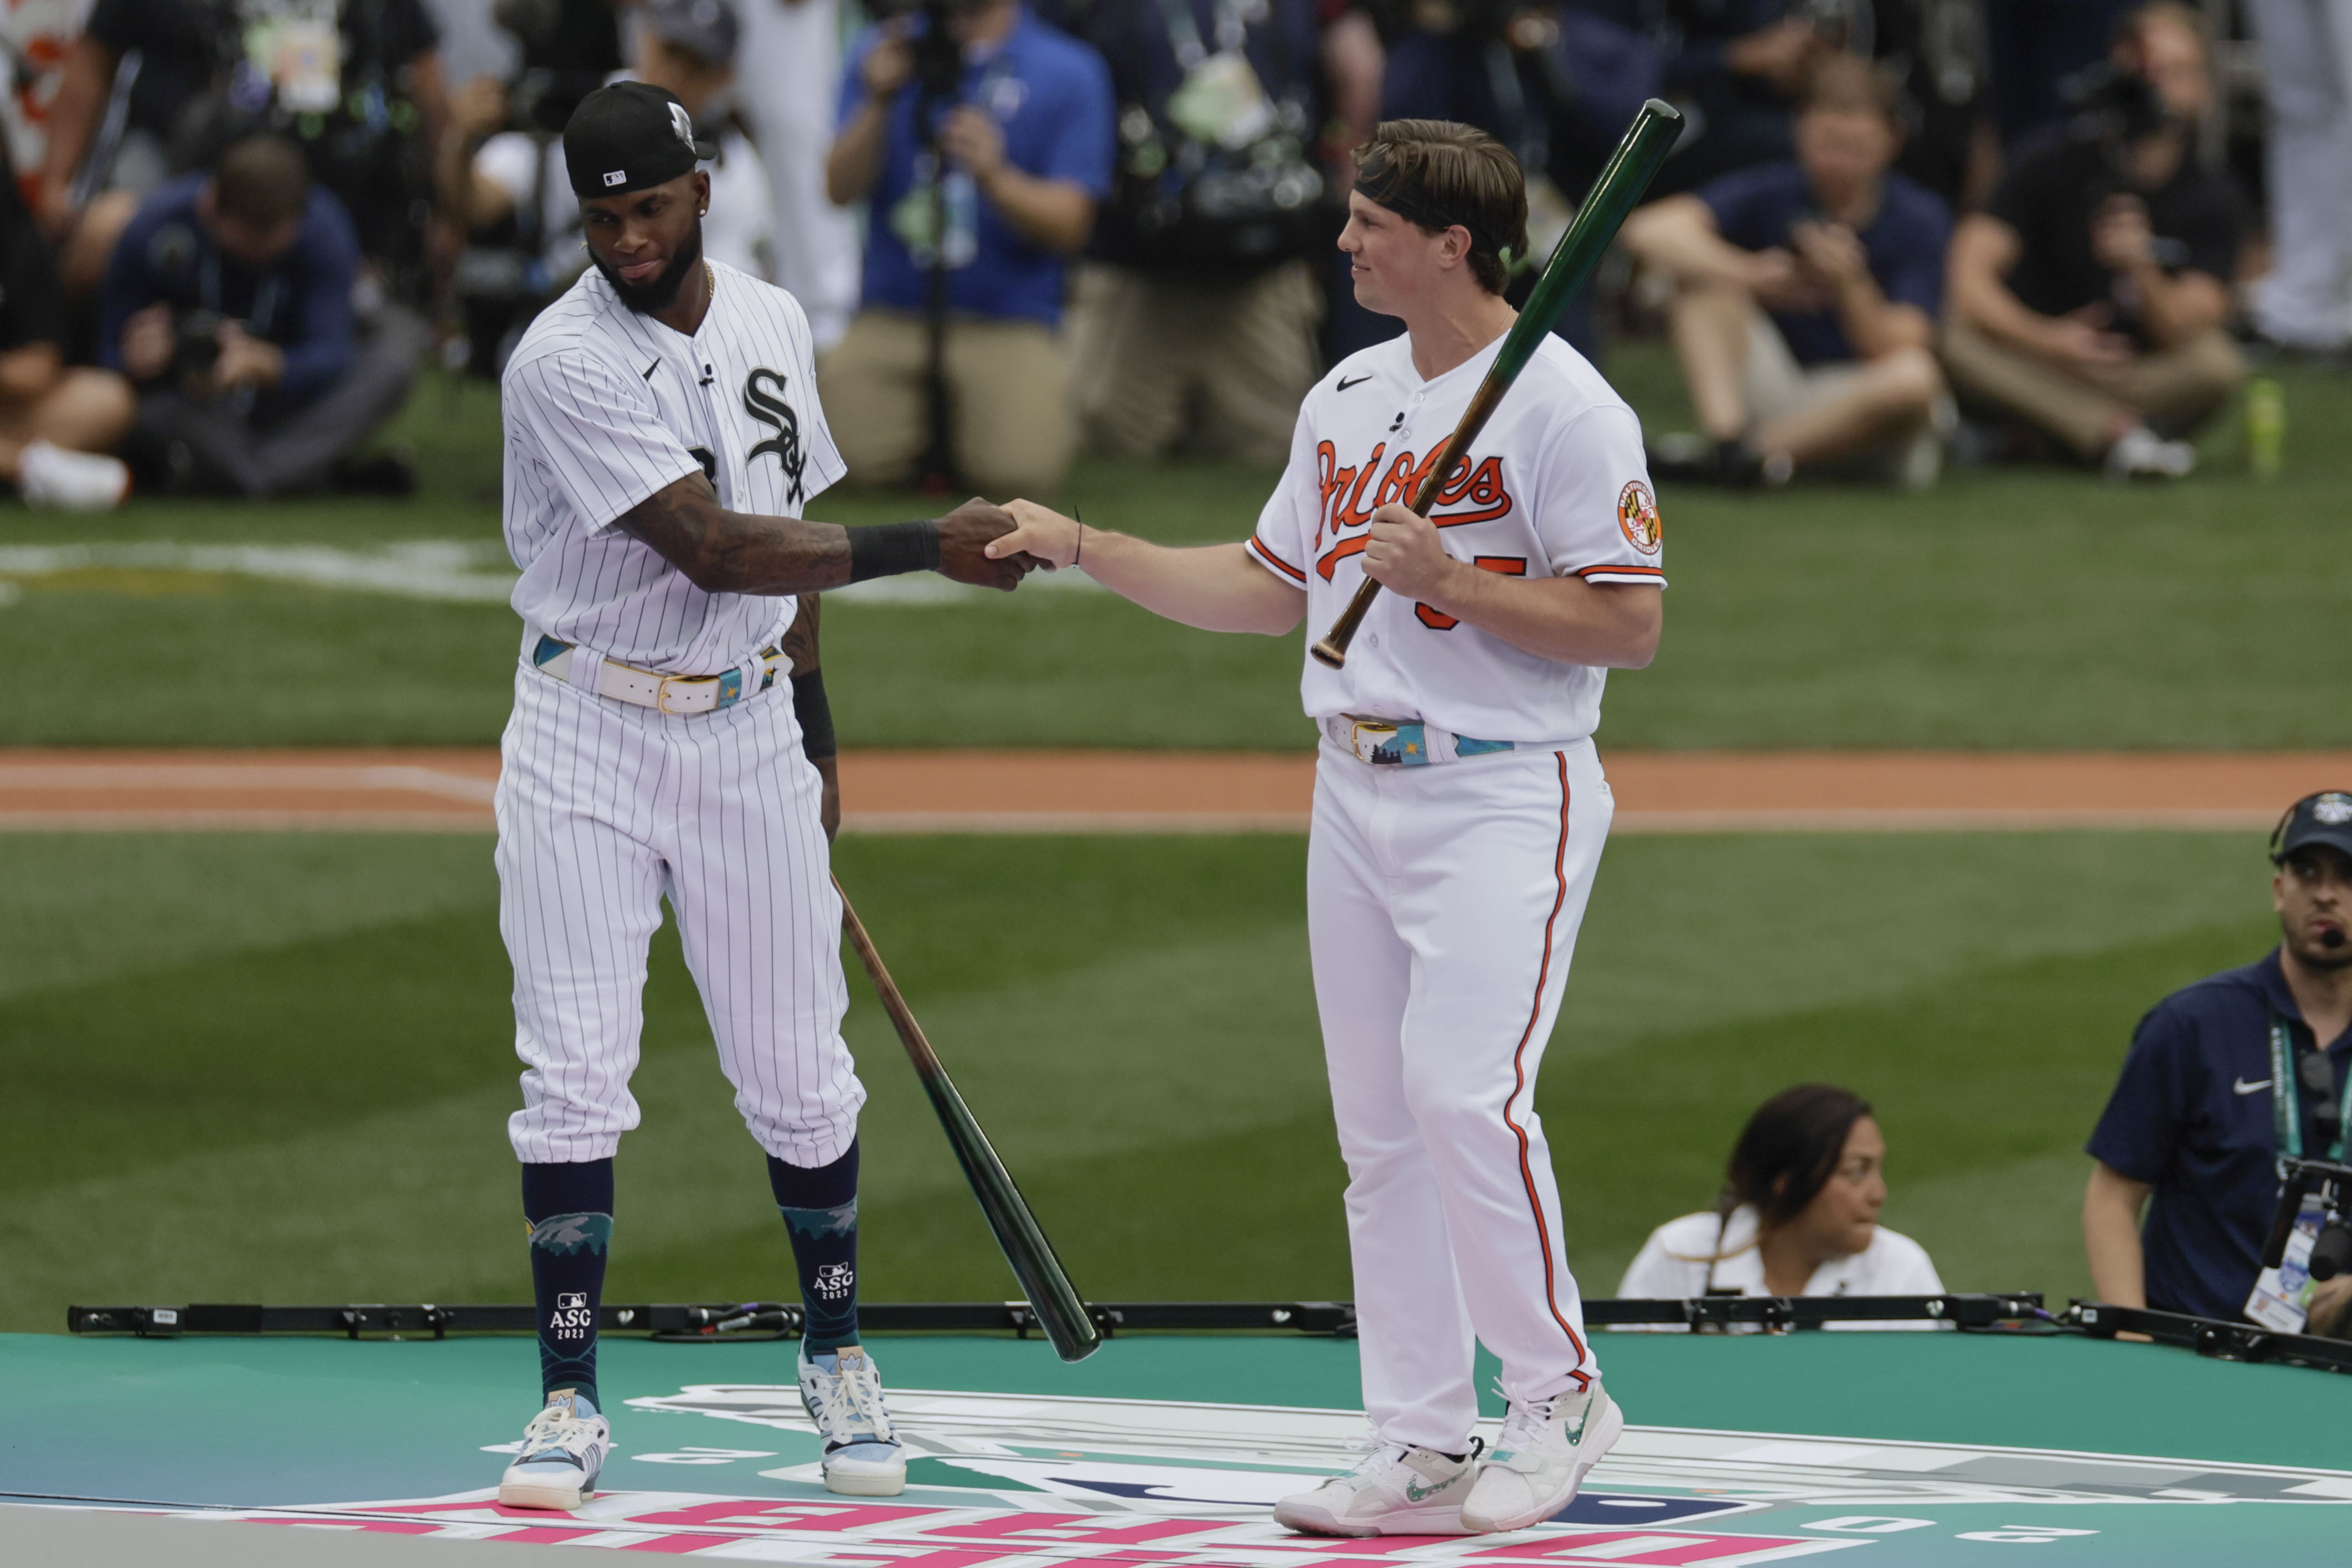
[1330, 653]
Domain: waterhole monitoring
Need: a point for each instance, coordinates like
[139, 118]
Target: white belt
[665, 693]
[1398, 742]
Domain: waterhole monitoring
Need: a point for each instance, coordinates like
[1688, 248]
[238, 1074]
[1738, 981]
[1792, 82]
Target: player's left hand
[1403, 554]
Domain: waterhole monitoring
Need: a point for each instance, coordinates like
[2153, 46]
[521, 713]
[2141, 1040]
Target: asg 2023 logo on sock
[571, 1319]
[834, 1280]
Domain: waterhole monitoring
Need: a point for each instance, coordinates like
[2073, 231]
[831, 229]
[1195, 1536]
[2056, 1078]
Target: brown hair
[1437, 174]
[1788, 1150]
[1848, 84]
[260, 182]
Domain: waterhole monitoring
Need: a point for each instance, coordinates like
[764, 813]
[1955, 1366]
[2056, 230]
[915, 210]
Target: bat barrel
[1623, 180]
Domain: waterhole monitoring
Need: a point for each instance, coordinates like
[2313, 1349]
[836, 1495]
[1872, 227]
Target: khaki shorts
[1776, 387]
[1009, 420]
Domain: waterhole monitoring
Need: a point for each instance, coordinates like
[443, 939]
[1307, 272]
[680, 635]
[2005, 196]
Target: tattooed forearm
[723, 552]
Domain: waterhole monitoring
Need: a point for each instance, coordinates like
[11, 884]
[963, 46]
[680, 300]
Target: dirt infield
[1127, 792]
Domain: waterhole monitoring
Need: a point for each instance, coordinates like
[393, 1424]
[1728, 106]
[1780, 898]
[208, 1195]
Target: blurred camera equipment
[196, 343]
[2331, 1252]
[937, 86]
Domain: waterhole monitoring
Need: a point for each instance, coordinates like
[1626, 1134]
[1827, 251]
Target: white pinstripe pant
[604, 809]
[1442, 907]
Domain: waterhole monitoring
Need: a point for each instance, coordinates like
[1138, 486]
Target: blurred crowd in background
[1895, 232]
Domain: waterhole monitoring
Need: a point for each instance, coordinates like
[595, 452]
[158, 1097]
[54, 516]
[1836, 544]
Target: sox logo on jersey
[603, 807]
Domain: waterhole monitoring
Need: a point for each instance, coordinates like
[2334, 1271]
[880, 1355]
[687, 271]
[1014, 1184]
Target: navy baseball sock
[570, 1210]
[820, 1210]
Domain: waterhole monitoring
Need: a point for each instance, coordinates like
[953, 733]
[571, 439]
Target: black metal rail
[776, 1319]
[2210, 1336]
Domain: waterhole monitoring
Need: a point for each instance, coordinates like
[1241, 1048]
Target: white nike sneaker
[1543, 1457]
[564, 1451]
[71, 482]
[2139, 453]
[1400, 1489]
[842, 1392]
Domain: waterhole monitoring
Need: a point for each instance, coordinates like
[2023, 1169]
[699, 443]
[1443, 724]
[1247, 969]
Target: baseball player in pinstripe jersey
[1459, 816]
[670, 739]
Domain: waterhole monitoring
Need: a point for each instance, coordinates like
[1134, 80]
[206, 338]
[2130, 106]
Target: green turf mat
[2013, 609]
[278, 1067]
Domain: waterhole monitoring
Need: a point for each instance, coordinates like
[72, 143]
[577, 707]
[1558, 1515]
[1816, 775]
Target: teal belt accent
[731, 682]
[1409, 748]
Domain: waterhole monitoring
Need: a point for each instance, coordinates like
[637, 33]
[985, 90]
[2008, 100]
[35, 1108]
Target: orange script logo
[1350, 496]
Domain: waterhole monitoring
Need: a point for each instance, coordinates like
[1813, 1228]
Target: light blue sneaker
[564, 1451]
[842, 1392]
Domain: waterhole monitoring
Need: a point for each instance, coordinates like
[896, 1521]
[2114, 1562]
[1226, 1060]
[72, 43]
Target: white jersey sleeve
[1283, 539]
[1599, 517]
[597, 435]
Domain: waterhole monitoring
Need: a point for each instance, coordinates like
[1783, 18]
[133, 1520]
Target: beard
[2316, 953]
[652, 299]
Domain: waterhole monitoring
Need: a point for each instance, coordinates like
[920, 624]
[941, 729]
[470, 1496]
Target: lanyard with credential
[2286, 1097]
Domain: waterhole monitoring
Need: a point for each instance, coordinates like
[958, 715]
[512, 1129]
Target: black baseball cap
[2322, 818]
[626, 137]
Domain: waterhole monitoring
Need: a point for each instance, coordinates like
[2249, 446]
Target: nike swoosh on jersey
[648, 372]
[2243, 1086]
[1345, 382]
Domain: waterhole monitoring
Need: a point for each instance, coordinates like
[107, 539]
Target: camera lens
[2331, 1253]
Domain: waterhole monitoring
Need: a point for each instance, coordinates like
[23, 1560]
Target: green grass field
[277, 1068]
[2018, 608]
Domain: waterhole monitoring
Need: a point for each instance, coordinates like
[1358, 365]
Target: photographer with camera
[2224, 1078]
[1198, 293]
[155, 88]
[229, 303]
[2087, 300]
[980, 139]
[1805, 298]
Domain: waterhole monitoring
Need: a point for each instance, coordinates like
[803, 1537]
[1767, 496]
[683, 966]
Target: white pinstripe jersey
[1555, 487]
[604, 407]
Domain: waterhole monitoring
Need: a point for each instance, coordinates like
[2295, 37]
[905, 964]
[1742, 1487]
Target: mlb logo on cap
[617, 177]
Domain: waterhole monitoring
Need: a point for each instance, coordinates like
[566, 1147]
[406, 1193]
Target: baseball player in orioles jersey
[662, 436]
[1459, 816]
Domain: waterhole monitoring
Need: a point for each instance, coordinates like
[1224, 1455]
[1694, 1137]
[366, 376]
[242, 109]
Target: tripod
[938, 82]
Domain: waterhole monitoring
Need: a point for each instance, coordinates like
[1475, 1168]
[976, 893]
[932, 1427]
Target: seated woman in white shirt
[1798, 1215]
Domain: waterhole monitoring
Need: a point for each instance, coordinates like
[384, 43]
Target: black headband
[1380, 179]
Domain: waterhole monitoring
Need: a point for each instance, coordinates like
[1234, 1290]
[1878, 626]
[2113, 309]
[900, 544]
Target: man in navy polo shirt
[1806, 293]
[2216, 1084]
[1026, 142]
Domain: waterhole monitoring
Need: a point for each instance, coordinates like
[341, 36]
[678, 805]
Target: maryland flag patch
[1637, 514]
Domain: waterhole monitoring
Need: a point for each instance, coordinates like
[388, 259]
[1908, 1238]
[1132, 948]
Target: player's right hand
[965, 536]
[1045, 534]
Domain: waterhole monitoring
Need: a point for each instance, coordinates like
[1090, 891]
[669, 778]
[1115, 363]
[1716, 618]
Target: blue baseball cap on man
[2322, 818]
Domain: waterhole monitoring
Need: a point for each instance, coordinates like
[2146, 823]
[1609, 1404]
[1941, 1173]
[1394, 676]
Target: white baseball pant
[1442, 907]
[604, 809]
[2306, 55]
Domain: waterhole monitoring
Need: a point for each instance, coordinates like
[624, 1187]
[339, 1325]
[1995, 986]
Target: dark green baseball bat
[1627, 175]
[1060, 1310]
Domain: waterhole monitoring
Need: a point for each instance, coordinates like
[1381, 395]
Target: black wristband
[816, 715]
[892, 549]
